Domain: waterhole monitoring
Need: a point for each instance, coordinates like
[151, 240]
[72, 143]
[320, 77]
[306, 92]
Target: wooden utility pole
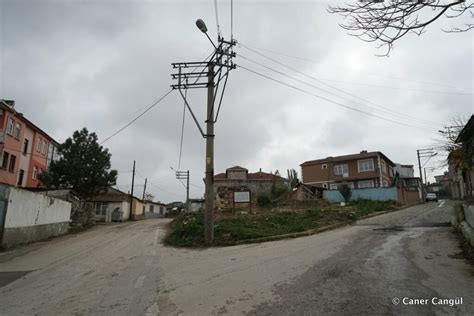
[209, 195]
[131, 195]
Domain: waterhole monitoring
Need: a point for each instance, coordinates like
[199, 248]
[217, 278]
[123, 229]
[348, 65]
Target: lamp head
[201, 25]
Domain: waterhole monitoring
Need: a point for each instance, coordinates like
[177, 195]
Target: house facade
[238, 179]
[462, 160]
[154, 209]
[26, 150]
[404, 171]
[114, 205]
[358, 171]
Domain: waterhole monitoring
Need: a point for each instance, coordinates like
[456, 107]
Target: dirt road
[125, 270]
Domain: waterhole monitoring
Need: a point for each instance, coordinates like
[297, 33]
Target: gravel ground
[125, 270]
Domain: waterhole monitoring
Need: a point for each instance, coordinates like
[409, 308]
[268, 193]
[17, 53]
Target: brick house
[362, 170]
[237, 179]
[26, 150]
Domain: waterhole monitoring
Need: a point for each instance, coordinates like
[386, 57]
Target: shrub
[263, 200]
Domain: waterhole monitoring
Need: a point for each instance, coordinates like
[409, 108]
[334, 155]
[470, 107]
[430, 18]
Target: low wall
[463, 219]
[376, 194]
[33, 216]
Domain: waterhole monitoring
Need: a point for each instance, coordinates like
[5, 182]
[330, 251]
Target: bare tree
[445, 141]
[386, 21]
[149, 197]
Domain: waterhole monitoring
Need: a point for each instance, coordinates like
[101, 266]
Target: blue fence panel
[376, 194]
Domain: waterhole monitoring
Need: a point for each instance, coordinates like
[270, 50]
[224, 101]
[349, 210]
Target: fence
[377, 194]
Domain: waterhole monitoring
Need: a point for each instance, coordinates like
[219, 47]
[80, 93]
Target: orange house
[26, 150]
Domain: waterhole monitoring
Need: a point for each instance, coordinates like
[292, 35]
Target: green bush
[263, 200]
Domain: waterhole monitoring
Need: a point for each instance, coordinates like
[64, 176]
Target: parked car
[431, 197]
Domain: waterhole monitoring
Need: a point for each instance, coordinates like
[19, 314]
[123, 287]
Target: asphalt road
[124, 269]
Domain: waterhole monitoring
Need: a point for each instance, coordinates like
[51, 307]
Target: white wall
[27, 208]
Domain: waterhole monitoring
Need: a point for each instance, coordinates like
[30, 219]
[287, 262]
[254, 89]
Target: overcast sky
[97, 64]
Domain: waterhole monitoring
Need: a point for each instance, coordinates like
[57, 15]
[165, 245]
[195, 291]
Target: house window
[11, 167]
[384, 166]
[21, 174]
[6, 156]
[25, 147]
[390, 171]
[366, 184]
[324, 166]
[10, 126]
[39, 144]
[45, 146]
[161, 209]
[101, 208]
[341, 169]
[365, 165]
[17, 130]
[151, 208]
[35, 173]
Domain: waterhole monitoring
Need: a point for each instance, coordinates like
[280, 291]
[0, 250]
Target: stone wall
[224, 191]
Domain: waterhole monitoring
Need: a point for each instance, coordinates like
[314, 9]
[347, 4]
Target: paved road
[124, 270]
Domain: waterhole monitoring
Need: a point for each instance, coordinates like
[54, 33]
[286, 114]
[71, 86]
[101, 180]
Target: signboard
[242, 197]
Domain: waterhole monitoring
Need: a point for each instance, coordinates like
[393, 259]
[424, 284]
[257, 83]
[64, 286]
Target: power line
[329, 100]
[382, 109]
[375, 75]
[156, 186]
[136, 118]
[333, 87]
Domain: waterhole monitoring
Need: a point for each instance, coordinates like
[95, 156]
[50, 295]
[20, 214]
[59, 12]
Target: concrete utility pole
[221, 59]
[144, 190]
[131, 195]
[209, 192]
[187, 192]
[184, 175]
[424, 153]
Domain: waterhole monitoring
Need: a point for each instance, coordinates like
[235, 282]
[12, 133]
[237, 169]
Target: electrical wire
[405, 117]
[335, 88]
[369, 74]
[329, 100]
[136, 118]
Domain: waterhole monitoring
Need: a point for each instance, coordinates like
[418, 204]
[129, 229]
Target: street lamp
[203, 28]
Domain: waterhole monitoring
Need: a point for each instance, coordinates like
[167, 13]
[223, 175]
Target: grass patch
[366, 207]
[187, 230]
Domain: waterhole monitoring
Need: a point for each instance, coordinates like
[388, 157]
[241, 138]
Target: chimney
[260, 170]
[363, 151]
